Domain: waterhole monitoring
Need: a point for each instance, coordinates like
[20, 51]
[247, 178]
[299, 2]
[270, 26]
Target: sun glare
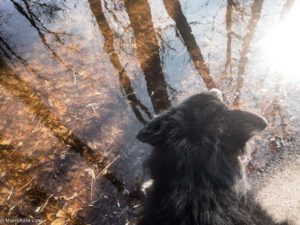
[281, 47]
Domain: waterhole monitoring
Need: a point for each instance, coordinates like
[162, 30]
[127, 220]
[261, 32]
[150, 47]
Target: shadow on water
[22, 90]
[148, 53]
[33, 101]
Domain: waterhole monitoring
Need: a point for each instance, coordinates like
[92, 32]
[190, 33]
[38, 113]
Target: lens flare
[281, 47]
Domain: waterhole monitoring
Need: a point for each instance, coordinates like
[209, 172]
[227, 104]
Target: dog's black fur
[195, 165]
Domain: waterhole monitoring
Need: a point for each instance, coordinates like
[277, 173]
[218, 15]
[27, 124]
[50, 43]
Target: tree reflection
[228, 64]
[246, 46]
[136, 105]
[277, 113]
[8, 51]
[27, 12]
[174, 10]
[148, 52]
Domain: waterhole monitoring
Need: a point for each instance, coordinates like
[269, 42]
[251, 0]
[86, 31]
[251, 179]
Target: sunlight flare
[281, 47]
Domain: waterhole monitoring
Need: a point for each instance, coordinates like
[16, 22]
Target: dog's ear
[244, 124]
[155, 132]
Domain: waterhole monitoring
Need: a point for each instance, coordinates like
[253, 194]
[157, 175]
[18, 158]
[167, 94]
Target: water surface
[78, 79]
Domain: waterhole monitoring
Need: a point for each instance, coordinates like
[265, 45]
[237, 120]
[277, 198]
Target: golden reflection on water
[281, 46]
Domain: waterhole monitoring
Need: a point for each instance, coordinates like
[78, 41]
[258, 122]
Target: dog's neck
[215, 173]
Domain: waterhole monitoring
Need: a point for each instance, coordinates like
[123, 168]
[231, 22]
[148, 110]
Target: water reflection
[78, 79]
[174, 10]
[245, 48]
[125, 83]
[8, 52]
[148, 52]
[280, 46]
[29, 97]
[48, 10]
[231, 5]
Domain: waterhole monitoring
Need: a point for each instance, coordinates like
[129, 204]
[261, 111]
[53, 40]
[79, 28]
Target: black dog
[195, 165]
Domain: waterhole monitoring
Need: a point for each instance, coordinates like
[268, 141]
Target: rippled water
[78, 79]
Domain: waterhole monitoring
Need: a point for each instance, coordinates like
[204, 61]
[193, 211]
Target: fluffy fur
[195, 165]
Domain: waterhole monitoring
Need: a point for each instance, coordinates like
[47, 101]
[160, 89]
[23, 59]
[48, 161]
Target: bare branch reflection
[9, 52]
[35, 22]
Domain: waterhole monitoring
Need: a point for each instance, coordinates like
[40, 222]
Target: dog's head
[200, 120]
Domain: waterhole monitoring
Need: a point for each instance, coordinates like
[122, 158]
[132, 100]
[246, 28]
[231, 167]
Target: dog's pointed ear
[155, 132]
[246, 124]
